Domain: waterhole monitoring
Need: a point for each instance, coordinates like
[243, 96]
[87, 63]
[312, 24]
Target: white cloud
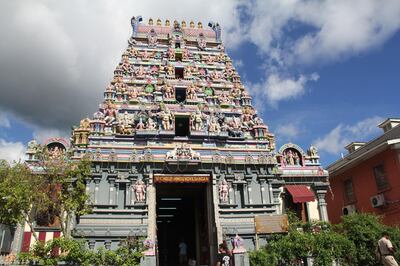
[4, 121]
[335, 141]
[335, 28]
[11, 151]
[288, 132]
[276, 88]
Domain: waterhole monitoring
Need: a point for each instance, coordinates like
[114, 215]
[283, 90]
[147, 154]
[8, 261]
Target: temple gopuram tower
[179, 153]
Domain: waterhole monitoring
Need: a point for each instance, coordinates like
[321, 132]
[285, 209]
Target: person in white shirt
[386, 250]
[182, 253]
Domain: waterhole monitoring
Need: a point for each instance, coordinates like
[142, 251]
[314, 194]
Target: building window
[180, 94]
[348, 191]
[178, 73]
[182, 126]
[380, 177]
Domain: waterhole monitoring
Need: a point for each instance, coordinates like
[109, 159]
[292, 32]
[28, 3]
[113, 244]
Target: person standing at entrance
[182, 253]
[224, 258]
[386, 250]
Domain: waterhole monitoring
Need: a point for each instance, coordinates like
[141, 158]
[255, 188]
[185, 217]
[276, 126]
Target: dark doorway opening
[182, 126]
[182, 216]
[177, 45]
[180, 94]
[178, 57]
[178, 72]
[300, 209]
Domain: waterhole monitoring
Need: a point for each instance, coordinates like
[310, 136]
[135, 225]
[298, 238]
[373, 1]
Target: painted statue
[197, 121]
[191, 92]
[110, 112]
[217, 29]
[151, 124]
[313, 151]
[140, 190]
[168, 91]
[223, 191]
[166, 119]
[135, 24]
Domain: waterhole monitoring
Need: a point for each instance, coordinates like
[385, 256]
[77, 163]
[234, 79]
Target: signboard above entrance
[267, 224]
[181, 178]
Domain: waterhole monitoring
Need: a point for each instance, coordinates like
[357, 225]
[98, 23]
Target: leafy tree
[314, 239]
[364, 230]
[19, 190]
[51, 191]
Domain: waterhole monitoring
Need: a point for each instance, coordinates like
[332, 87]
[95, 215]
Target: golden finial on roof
[183, 24]
[200, 25]
[192, 24]
[151, 22]
[158, 22]
[167, 22]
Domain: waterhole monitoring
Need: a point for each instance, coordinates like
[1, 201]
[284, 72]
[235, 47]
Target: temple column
[111, 197]
[264, 193]
[151, 205]
[249, 199]
[96, 190]
[320, 190]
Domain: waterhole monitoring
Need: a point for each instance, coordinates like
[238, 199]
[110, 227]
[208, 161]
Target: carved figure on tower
[223, 189]
[192, 92]
[151, 124]
[140, 190]
[166, 119]
[110, 112]
[217, 29]
[135, 24]
[168, 91]
[197, 121]
[213, 126]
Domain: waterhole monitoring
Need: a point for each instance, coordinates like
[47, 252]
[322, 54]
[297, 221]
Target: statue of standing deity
[223, 191]
[166, 119]
[197, 121]
[140, 190]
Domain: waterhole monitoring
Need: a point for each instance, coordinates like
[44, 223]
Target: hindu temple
[179, 153]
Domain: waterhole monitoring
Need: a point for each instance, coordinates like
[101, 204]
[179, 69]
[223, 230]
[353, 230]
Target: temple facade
[180, 154]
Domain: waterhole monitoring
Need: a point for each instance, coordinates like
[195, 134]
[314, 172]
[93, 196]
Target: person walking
[224, 257]
[386, 250]
[182, 253]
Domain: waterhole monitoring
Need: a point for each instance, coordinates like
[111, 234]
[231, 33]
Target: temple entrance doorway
[184, 214]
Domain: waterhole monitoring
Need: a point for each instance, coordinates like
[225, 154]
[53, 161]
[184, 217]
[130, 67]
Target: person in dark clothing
[224, 257]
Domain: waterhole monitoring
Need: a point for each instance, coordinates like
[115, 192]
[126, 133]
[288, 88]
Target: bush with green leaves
[69, 251]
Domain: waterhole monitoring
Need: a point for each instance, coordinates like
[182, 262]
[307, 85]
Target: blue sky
[321, 72]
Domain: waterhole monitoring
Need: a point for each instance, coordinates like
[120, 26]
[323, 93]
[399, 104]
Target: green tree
[51, 190]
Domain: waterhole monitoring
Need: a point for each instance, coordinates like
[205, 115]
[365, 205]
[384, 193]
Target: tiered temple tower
[179, 152]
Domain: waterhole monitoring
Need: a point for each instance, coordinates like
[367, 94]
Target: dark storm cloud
[56, 57]
[52, 72]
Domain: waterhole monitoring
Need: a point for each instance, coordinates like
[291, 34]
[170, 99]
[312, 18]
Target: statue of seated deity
[191, 92]
[168, 92]
[213, 125]
[151, 124]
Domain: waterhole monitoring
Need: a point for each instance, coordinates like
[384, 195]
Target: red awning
[300, 193]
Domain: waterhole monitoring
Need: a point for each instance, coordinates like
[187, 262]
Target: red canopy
[300, 193]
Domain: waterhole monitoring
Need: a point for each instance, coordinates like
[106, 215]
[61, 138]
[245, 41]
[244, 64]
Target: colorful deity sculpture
[166, 119]
[140, 190]
[223, 191]
[197, 121]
